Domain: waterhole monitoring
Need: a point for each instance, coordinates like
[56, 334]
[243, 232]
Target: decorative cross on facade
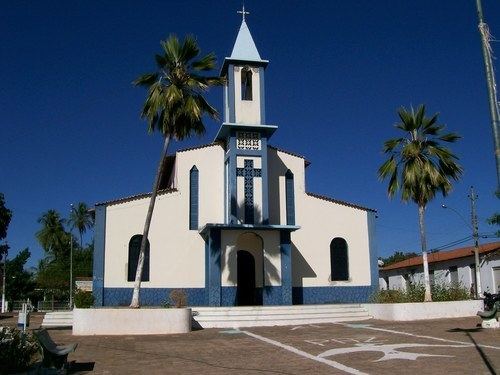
[248, 173]
[242, 12]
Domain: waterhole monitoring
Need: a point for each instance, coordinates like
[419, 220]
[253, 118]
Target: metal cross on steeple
[242, 12]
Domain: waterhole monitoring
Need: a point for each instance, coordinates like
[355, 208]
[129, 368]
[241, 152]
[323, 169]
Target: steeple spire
[244, 47]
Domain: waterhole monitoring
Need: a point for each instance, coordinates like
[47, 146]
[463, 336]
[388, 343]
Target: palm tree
[419, 166]
[175, 107]
[81, 218]
[52, 236]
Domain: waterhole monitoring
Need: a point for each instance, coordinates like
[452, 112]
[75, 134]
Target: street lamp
[71, 263]
[475, 236]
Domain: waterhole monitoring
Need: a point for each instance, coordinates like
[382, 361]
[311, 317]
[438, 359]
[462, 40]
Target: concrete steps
[255, 316]
[58, 319]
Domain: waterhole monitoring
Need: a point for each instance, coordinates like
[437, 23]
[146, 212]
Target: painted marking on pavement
[390, 351]
[368, 326]
[337, 365]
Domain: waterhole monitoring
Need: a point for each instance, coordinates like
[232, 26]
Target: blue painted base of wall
[152, 296]
[332, 294]
[271, 295]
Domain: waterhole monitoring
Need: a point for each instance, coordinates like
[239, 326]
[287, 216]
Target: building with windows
[454, 266]
[233, 223]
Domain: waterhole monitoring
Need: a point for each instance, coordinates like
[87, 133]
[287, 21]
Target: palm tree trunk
[140, 263]
[423, 240]
[81, 240]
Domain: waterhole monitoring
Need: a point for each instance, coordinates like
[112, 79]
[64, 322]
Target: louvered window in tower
[246, 84]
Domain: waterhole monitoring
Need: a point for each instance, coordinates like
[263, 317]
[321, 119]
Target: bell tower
[245, 133]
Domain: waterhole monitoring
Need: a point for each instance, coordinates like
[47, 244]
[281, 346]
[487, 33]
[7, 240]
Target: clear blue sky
[70, 126]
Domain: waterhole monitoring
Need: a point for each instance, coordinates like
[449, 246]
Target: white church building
[233, 223]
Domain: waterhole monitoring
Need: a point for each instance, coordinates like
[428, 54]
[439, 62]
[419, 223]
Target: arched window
[134, 246]
[193, 198]
[339, 260]
[246, 84]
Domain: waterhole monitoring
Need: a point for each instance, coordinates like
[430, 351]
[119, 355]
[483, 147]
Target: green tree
[52, 236]
[81, 218]
[19, 283]
[5, 217]
[419, 167]
[398, 256]
[174, 106]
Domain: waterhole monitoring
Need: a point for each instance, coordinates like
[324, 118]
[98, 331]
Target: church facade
[233, 223]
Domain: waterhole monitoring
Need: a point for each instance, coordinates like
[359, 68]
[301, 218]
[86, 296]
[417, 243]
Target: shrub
[84, 299]
[178, 298]
[415, 293]
[17, 350]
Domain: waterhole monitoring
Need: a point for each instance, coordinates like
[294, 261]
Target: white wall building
[454, 266]
[234, 224]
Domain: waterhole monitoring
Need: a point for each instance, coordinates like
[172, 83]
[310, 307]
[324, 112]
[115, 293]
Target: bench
[53, 355]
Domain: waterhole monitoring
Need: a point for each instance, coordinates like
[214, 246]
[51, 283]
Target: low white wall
[424, 310]
[123, 321]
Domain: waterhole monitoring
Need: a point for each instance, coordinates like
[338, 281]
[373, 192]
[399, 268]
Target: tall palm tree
[52, 236]
[419, 166]
[81, 218]
[175, 107]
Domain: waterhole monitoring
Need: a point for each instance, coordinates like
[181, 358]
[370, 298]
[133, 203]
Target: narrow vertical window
[339, 262]
[134, 247]
[290, 198]
[193, 198]
[246, 84]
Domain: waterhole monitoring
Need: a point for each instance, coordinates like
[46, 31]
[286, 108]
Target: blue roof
[244, 47]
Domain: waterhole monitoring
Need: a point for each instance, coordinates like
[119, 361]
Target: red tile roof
[343, 203]
[134, 197]
[444, 255]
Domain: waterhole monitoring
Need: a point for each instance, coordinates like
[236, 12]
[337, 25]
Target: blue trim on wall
[286, 267]
[193, 198]
[265, 183]
[290, 198]
[99, 246]
[331, 294]
[153, 296]
[372, 241]
[214, 267]
[233, 202]
[231, 93]
[262, 97]
[273, 295]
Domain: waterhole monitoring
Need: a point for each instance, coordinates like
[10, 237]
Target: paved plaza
[455, 346]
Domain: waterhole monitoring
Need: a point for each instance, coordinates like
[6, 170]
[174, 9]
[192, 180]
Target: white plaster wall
[320, 222]
[247, 111]
[131, 321]
[177, 254]
[271, 257]
[424, 310]
[278, 163]
[488, 283]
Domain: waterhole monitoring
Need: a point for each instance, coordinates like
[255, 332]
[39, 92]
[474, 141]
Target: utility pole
[490, 81]
[71, 265]
[475, 236]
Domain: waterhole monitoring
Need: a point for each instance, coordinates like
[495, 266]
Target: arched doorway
[246, 288]
[249, 269]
